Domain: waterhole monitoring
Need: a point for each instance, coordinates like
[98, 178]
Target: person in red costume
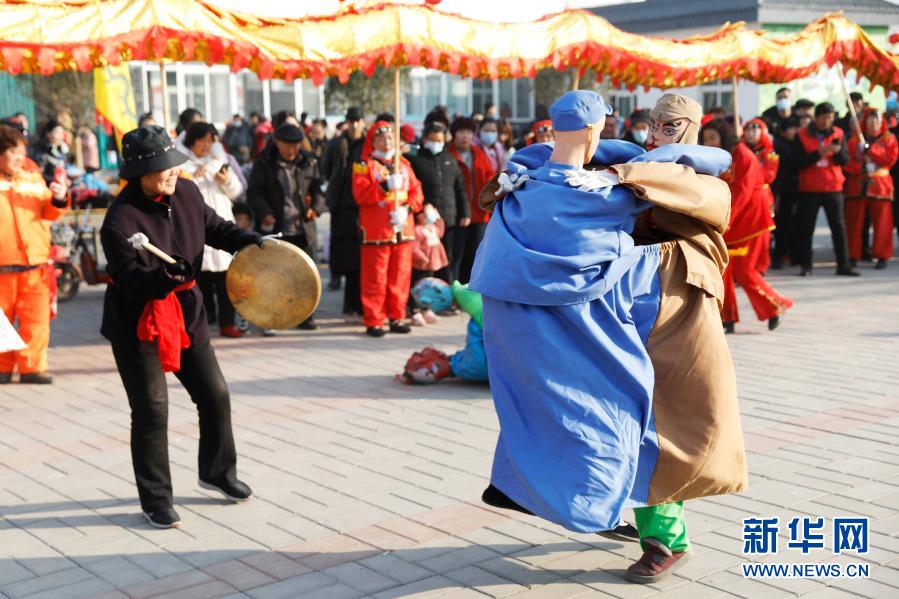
[541, 132]
[748, 234]
[387, 201]
[869, 187]
[757, 139]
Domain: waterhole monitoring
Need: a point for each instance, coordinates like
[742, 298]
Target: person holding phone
[208, 168]
[820, 151]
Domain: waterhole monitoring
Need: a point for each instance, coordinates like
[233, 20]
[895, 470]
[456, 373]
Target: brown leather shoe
[657, 562]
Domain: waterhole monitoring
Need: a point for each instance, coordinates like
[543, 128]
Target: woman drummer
[153, 316]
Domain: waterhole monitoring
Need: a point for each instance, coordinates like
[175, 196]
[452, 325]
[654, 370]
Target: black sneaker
[308, 325]
[236, 491]
[398, 326]
[729, 328]
[881, 264]
[806, 271]
[623, 532]
[36, 378]
[5, 378]
[375, 331]
[848, 271]
[164, 518]
[853, 263]
[774, 322]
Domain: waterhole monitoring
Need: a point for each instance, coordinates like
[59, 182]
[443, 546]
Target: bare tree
[373, 94]
[68, 92]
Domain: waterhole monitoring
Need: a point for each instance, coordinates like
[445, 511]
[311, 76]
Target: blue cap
[577, 109]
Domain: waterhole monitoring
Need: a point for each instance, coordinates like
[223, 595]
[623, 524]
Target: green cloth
[469, 301]
[664, 522]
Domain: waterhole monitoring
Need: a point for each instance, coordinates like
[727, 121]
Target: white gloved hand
[138, 241]
[58, 190]
[396, 182]
[592, 180]
[398, 216]
[509, 183]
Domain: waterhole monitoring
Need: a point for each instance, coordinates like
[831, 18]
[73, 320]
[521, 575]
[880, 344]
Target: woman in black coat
[153, 316]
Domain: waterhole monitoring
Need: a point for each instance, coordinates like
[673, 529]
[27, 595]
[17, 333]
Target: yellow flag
[114, 99]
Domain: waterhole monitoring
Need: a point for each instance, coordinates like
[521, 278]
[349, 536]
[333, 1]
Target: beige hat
[675, 106]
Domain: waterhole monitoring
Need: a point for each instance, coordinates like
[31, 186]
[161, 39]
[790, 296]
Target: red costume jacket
[882, 152]
[825, 178]
[475, 179]
[750, 211]
[376, 201]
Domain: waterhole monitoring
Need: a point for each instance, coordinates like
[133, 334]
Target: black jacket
[179, 225]
[442, 183]
[787, 180]
[805, 159]
[266, 196]
[337, 168]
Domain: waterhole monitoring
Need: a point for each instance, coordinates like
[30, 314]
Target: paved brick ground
[369, 488]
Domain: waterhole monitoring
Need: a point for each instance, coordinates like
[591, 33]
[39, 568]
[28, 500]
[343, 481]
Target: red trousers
[745, 269]
[25, 296]
[881, 212]
[385, 278]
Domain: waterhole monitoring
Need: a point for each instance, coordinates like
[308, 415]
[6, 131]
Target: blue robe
[569, 302]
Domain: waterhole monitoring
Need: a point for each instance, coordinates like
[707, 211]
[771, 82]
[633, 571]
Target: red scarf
[163, 320]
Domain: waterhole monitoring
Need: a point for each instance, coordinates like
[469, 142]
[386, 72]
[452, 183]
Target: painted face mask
[667, 132]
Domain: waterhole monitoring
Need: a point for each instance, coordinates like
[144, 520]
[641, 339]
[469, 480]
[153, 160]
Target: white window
[718, 93]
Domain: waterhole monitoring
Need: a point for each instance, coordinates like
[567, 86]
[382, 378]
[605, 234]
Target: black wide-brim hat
[148, 150]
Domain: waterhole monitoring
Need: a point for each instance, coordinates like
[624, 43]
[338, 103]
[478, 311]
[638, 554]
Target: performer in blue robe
[569, 302]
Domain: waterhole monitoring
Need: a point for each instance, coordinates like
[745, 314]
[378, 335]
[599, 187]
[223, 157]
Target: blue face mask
[488, 137]
[640, 136]
[782, 104]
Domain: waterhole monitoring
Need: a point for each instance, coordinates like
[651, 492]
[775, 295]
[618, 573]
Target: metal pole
[576, 80]
[165, 96]
[852, 114]
[738, 123]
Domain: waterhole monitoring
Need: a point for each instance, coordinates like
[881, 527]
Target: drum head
[274, 287]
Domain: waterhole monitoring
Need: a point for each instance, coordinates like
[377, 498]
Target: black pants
[352, 294]
[454, 243]
[472, 241]
[148, 397]
[807, 214]
[785, 233]
[212, 284]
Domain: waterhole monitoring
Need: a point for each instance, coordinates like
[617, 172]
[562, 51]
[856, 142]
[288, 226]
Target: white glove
[592, 180]
[509, 183]
[398, 216]
[396, 182]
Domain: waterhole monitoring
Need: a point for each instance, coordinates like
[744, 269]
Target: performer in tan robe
[695, 406]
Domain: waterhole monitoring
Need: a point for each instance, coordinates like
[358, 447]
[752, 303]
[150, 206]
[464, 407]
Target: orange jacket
[882, 152]
[25, 209]
[375, 201]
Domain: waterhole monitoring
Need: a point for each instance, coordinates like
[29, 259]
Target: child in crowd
[428, 257]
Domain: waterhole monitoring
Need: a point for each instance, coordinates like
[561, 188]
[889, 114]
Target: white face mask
[388, 155]
[782, 103]
[640, 135]
[488, 137]
[434, 147]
